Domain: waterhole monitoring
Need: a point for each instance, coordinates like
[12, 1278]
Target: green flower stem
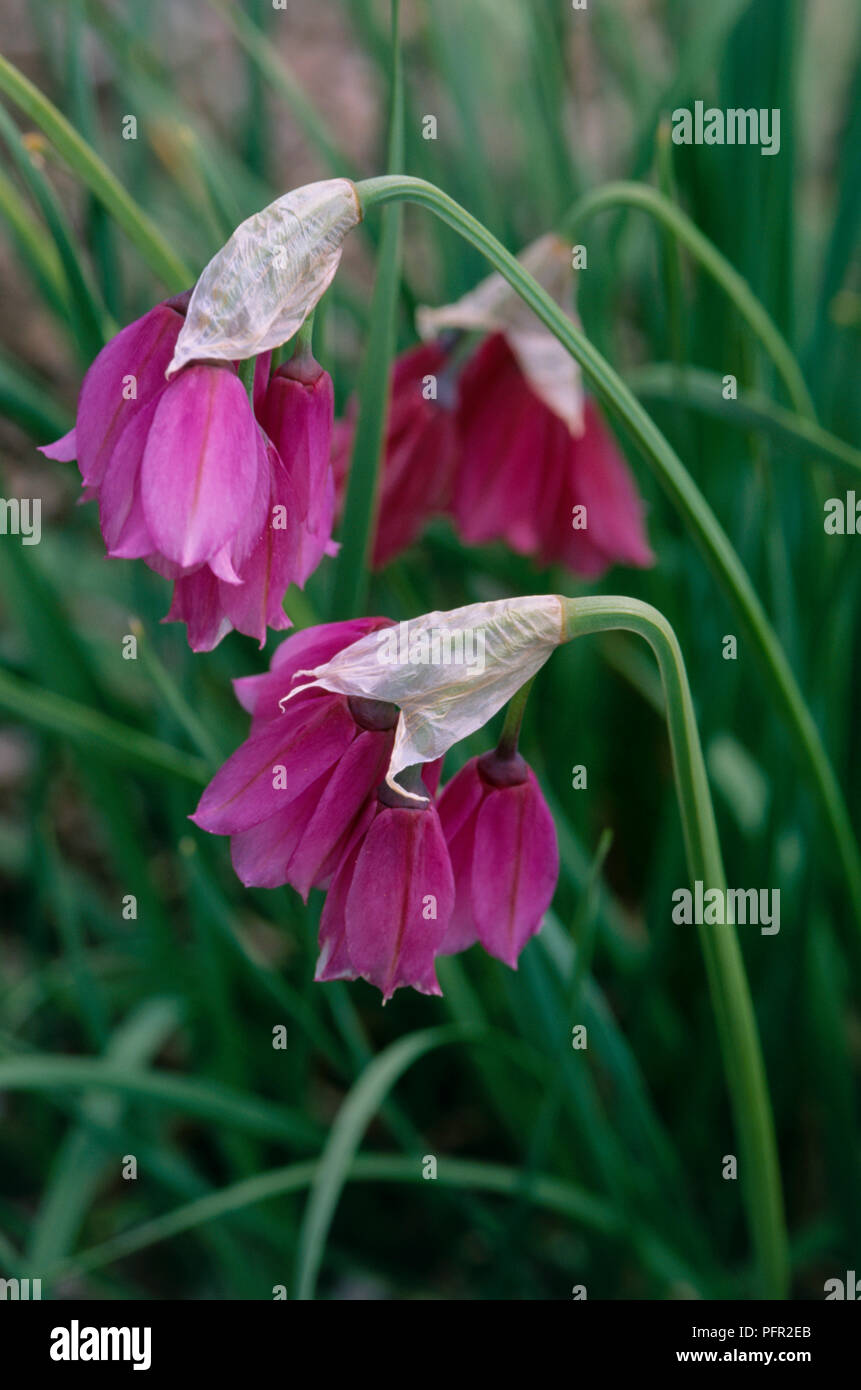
[507, 744]
[727, 981]
[83, 161]
[303, 343]
[736, 288]
[676, 481]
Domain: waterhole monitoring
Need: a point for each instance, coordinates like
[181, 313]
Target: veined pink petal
[261, 854]
[400, 900]
[334, 962]
[502, 429]
[515, 867]
[196, 603]
[121, 513]
[266, 574]
[200, 465]
[297, 413]
[458, 807]
[273, 766]
[262, 366]
[603, 483]
[125, 377]
[331, 822]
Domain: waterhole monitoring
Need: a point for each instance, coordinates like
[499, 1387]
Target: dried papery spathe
[441, 698]
[494, 307]
[257, 291]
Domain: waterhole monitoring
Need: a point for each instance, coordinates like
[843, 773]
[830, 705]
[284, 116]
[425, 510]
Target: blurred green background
[557, 1167]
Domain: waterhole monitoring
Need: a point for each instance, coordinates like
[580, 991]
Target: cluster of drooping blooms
[306, 802]
[505, 443]
[226, 486]
[232, 499]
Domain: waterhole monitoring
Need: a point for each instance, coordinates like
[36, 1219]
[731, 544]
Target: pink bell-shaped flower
[504, 855]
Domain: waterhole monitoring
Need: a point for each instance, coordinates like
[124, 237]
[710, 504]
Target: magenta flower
[297, 412]
[291, 795]
[420, 451]
[310, 798]
[387, 911]
[522, 472]
[188, 481]
[504, 855]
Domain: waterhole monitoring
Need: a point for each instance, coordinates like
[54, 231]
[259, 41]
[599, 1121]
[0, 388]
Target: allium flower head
[188, 480]
[291, 794]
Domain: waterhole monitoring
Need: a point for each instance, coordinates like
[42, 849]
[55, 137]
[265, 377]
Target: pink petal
[297, 414]
[402, 867]
[142, 351]
[334, 962]
[458, 809]
[603, 483]
[200, 465]
[63, 450]
[270, 567]
[515, 868]
[121, 513]
[262, 367]
[196, 603]
[502, 427]
[261, 854]
[247, 789]
[331, 822]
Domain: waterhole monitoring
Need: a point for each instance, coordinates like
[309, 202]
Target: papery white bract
[494, 307]
[442, 702]
[260, 287]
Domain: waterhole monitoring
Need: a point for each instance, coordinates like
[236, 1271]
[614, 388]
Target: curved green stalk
[724, 964]
[713, 262]
[676, 481]
[83, 161]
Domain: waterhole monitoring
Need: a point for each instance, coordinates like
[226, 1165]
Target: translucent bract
[448, 673]
[260, 287]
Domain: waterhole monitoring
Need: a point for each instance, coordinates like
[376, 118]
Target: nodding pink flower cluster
[232, 500]
[489, 453]
[305, 803]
